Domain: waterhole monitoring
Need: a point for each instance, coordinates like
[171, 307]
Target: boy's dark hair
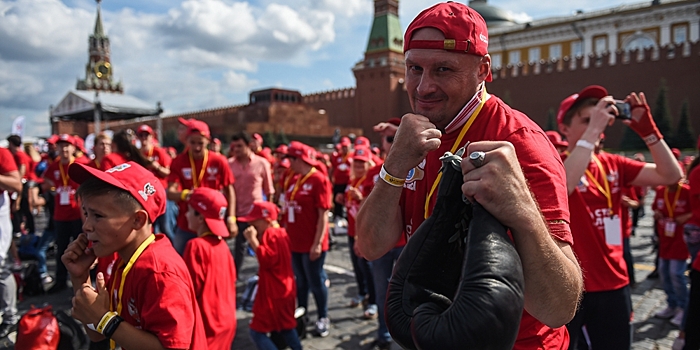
[15, 140]
[94, 187]
[124, 143]
[577, 107]
[241, 135]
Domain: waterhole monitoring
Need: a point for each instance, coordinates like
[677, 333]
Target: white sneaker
[668, 312]
[678, 344]
[678, 318]
[322, 326]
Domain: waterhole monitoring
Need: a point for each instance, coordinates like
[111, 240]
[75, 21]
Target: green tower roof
[99, 32]
[386, 34]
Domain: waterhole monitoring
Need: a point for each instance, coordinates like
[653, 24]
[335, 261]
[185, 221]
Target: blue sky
[197, 54]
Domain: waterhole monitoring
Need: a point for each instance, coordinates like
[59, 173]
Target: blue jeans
[672, 273]
[691, 235]
[181, 239]
[44, 242]
[310, 275]
[170, 222]
[363, 274]
[381, 271]
[263, 342]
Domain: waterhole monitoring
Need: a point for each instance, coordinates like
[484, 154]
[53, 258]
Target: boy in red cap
[199, 167]
[210, 263]
[149, 302]
[274, 306]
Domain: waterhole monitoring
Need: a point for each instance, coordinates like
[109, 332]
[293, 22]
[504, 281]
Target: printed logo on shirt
[133, 311]
[307, 187]
[409, 229]
[582, 184]
[415, 174]
[342, 167]
[187, 173]
[680, 204]
[659, 203]
[57, 174]
[212, 173]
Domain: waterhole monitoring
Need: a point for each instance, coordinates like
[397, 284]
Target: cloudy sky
[197, 54]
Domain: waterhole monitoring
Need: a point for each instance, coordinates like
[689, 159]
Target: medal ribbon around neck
[197, 180]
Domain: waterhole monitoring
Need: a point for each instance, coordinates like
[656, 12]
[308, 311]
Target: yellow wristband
[183, 195]
[390, 179]
[105, 321]
[231, 219]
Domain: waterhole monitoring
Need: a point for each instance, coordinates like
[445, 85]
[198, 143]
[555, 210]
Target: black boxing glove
[430, 265]
[486, 312]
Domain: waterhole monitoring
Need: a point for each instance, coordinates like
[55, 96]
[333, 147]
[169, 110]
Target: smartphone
[623, 109]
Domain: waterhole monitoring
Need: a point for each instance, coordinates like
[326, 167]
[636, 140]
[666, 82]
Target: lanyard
[672, 208]
[300, 181]
[287, 178]
[355, 185]
[64, 173]
[150, 153]
[197, 180]
[466, 127]
[125, 272]
[605, 191]
[97, 164]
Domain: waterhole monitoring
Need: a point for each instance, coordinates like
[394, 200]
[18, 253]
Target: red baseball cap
[185, 122]
[198, 127]
[52, 139]
[79, 143]
[556, 139]
[362, 141]
[345, 141]
[66, 138]
[362, 153]
[258, 137]
[145, 128]
[299, 150]
[284, 163]
[261, 210]
[464, 29]
[281, 149]
[216, 141]
[211, 204]
[595, 91]
[131, 177]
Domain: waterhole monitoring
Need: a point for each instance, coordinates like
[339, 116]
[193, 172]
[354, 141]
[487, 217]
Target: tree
[269, 139]
[551, 120]
[282, 137]
[631, 141]
[662, 113]
[684, 137]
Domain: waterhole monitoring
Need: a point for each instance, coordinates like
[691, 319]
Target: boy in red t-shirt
[149, 302]
[671, 211]
[211, 266]
[274, 306]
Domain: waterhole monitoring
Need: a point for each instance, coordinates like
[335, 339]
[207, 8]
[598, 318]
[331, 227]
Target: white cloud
[238, 82]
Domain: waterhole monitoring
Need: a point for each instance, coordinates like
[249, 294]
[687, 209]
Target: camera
[624, 111]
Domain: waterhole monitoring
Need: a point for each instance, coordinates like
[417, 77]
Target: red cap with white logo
[212, 205]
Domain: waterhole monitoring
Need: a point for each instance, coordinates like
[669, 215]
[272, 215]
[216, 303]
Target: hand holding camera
[641, 120]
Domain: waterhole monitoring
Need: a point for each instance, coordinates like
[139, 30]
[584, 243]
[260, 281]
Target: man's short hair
[241, 135]
[577, 107]
[95, 187]
[15, 140]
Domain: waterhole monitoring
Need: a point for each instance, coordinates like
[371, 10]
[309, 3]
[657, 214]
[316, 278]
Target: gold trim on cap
[449, 44]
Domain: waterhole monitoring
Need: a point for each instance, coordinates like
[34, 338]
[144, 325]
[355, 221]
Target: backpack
[38, 330]
[73, 335]
[31, 281]
[248, 297]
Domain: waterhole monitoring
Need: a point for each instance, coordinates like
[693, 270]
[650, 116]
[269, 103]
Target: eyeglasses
[390, 139]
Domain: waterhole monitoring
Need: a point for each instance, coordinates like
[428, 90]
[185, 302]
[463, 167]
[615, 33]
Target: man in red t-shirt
[9, 182]
[149, 302]
[274, 306]
[594, 184]
[199, 167]
[160, 160]
[66, 213]
[340, 172]
[211, 266]
[20, 206]
[446, 90]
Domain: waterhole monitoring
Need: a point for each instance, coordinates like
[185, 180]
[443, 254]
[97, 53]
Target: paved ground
[350, 330]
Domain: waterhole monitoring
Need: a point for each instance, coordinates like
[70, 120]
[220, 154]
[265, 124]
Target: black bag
[73, 335]
[31, 281]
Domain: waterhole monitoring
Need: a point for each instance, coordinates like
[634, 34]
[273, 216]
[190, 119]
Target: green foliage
[269, 139]
[684, 137]
[170, 138]
[282, 137]
[551, 120]
[662, 112]
[631, 141]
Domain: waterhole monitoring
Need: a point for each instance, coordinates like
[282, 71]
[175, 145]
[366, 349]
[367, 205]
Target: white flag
[18, 126]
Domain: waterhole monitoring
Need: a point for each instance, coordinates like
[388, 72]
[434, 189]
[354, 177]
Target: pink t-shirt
[253, 179]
